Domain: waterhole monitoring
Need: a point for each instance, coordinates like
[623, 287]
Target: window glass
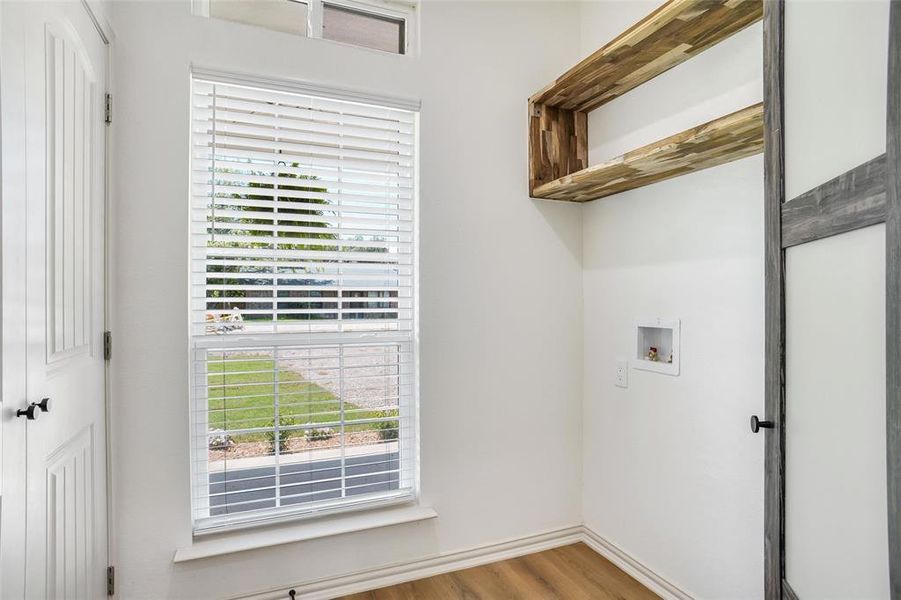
[360, 28]
[289, 16]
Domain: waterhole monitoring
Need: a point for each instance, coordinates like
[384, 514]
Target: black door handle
[757, 424]
[29, 413]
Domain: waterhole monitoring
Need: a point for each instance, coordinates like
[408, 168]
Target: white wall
[672, 473]
[668, 468]
[501, 314]
[836, 521]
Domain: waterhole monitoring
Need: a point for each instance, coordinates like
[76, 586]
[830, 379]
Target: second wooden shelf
[717, 142]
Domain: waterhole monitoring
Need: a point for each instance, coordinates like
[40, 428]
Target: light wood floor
[569, 573]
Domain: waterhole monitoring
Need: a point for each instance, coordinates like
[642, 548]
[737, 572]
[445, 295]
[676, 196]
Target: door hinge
[109, 109]
[107, 345]
[110, 581]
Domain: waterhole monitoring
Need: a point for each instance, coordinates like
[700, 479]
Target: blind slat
[229, 164]
[214, 141]
[284, 121]
[305, 161]
[324, 200]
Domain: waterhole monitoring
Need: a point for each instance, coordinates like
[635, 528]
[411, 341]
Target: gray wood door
[833, 241]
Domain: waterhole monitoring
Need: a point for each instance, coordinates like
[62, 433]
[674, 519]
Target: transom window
[302, 303]
[380, 25]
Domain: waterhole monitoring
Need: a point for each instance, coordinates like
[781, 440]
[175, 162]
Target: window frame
[199, 476]
[394, 10]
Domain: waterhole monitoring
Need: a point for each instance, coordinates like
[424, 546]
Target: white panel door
[54, 81]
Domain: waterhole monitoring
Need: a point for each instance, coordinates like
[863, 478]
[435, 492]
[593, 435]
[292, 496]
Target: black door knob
[29, 413]
[44, 405]
[757, 424]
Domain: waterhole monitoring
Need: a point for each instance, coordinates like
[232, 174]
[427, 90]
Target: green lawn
[241, 395]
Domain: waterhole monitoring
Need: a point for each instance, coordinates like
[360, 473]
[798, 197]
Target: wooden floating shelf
[668, 36]
[558, 120]
[715, 143]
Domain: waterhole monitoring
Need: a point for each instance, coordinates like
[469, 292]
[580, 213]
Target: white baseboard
[630, 565]
[369, 579]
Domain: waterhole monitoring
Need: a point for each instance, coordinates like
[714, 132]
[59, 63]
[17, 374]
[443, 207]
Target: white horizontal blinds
[302, 427]
[302, 303]
[302, 213]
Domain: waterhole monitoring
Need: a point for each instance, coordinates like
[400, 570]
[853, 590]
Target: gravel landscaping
[295, 444]
[372, 380]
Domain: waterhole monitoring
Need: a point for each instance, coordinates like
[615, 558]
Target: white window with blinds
[303, 302]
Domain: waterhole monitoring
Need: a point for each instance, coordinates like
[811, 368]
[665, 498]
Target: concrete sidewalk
[312, 454]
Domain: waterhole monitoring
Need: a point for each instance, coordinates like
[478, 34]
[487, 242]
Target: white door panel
[14, 331]
[58, 74]
[836, 526]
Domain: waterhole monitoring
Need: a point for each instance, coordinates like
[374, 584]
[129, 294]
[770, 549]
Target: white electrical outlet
[622, 373]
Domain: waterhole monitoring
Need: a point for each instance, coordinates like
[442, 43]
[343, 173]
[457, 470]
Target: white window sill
[240, 541]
